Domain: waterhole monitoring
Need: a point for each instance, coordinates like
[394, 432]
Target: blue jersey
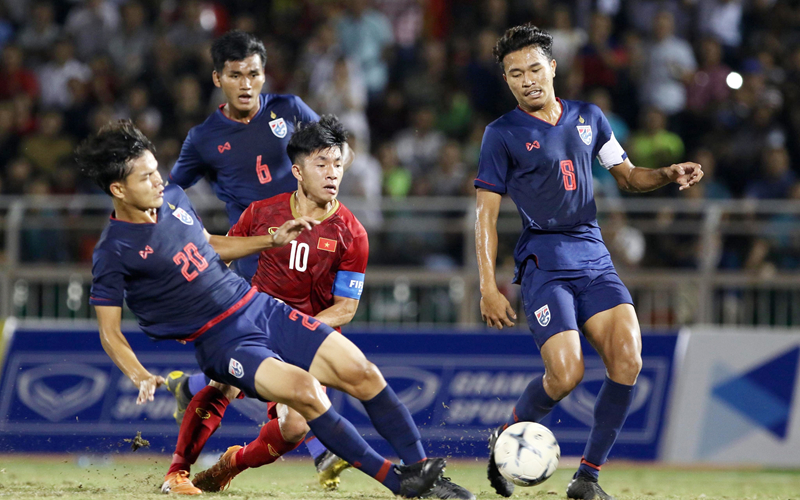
[244, 162]
[547, 171]
[170, 276]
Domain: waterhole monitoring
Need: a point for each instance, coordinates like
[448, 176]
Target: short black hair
[105, 157]
[236, 45]
[314, 136]
[519, 37]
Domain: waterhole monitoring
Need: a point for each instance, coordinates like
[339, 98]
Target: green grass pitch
[24, 477]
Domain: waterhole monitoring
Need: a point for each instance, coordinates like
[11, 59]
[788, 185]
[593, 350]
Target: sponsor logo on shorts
[235, 368]
[203, 414]
[543, 315]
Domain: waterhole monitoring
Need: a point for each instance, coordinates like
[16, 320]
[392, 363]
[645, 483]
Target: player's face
[529, 74]
[143, 187]
[320, 174]
[241, 82]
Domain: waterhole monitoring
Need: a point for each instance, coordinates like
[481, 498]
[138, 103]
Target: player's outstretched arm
[495, 309]
[340, 313]
[234, 247]
[640, 180]
[119, 350]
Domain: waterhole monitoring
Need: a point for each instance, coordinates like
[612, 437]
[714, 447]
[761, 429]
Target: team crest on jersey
[235, 368]
[585, 131]
[278, 128]
[543, 315]
[182, 216]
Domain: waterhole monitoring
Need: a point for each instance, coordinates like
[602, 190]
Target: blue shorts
[557, 301]
[265, 327]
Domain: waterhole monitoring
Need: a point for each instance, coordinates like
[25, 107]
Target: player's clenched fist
[496, 310]
[686, 174]
[291, 229]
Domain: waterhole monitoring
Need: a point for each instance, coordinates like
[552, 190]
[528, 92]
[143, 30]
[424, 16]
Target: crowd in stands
[415, 81]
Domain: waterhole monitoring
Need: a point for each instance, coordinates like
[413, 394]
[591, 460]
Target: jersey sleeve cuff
[480, 183]
[348, 284]
[100, 301]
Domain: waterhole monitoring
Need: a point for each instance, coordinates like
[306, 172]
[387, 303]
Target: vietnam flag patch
[326, 244]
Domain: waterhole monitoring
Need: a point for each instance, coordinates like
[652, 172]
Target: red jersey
[306, 274]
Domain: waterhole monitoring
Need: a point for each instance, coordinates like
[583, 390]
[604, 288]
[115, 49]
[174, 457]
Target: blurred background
[711, 81]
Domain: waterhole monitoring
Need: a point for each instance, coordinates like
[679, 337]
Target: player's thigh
[614, 329]
[235, 359]
[549, 304]
[228, 391]
[294, 336]
[340, 364]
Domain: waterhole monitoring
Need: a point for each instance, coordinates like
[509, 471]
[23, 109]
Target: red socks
[202, 418]
[266, 448]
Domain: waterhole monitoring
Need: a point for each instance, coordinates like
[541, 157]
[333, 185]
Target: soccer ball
[527, 453]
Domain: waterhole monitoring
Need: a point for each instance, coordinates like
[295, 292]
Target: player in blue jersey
[541, 155]
[241, 150]
[157, 257]
[241, 147]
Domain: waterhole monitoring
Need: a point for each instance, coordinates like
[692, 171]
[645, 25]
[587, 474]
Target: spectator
[708, 87]
[364, 180]
[654, 146]
[712, 188]
[397, 180]
[9, 140]
[776, 178]
[17, 176]
[46, 148]
[320, 56]
[16, 78]
[346, 97]
[129, 47]
[78, 114]
[484, 78]
[567, 39]
[39, 33]
[425, 85]
[721, 19]
[450, 176]
[92, 25]
[365, 34]
[188, 34]
[600, 60]
[55, 75]
[670, 66]
[604, 183]
[418, 146]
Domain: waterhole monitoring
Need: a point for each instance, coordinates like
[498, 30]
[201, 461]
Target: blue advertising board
[59, 391]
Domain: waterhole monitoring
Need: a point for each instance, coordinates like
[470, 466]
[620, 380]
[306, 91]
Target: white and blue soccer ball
[527, 453]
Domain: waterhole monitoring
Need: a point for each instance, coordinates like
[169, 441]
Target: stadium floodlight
[734, 80]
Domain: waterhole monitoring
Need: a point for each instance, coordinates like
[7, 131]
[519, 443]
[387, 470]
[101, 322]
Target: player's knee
[293, 427]
[562, 380]
[626, 368]
[366, 380]
[305, 396]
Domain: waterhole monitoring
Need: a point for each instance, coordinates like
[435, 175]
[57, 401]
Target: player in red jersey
[321, 275]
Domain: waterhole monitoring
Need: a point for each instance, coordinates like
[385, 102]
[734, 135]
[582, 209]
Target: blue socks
[315, 448]
[394, 423]
[197, 382]
[339, 436]
[533, 405]
[610, 412]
